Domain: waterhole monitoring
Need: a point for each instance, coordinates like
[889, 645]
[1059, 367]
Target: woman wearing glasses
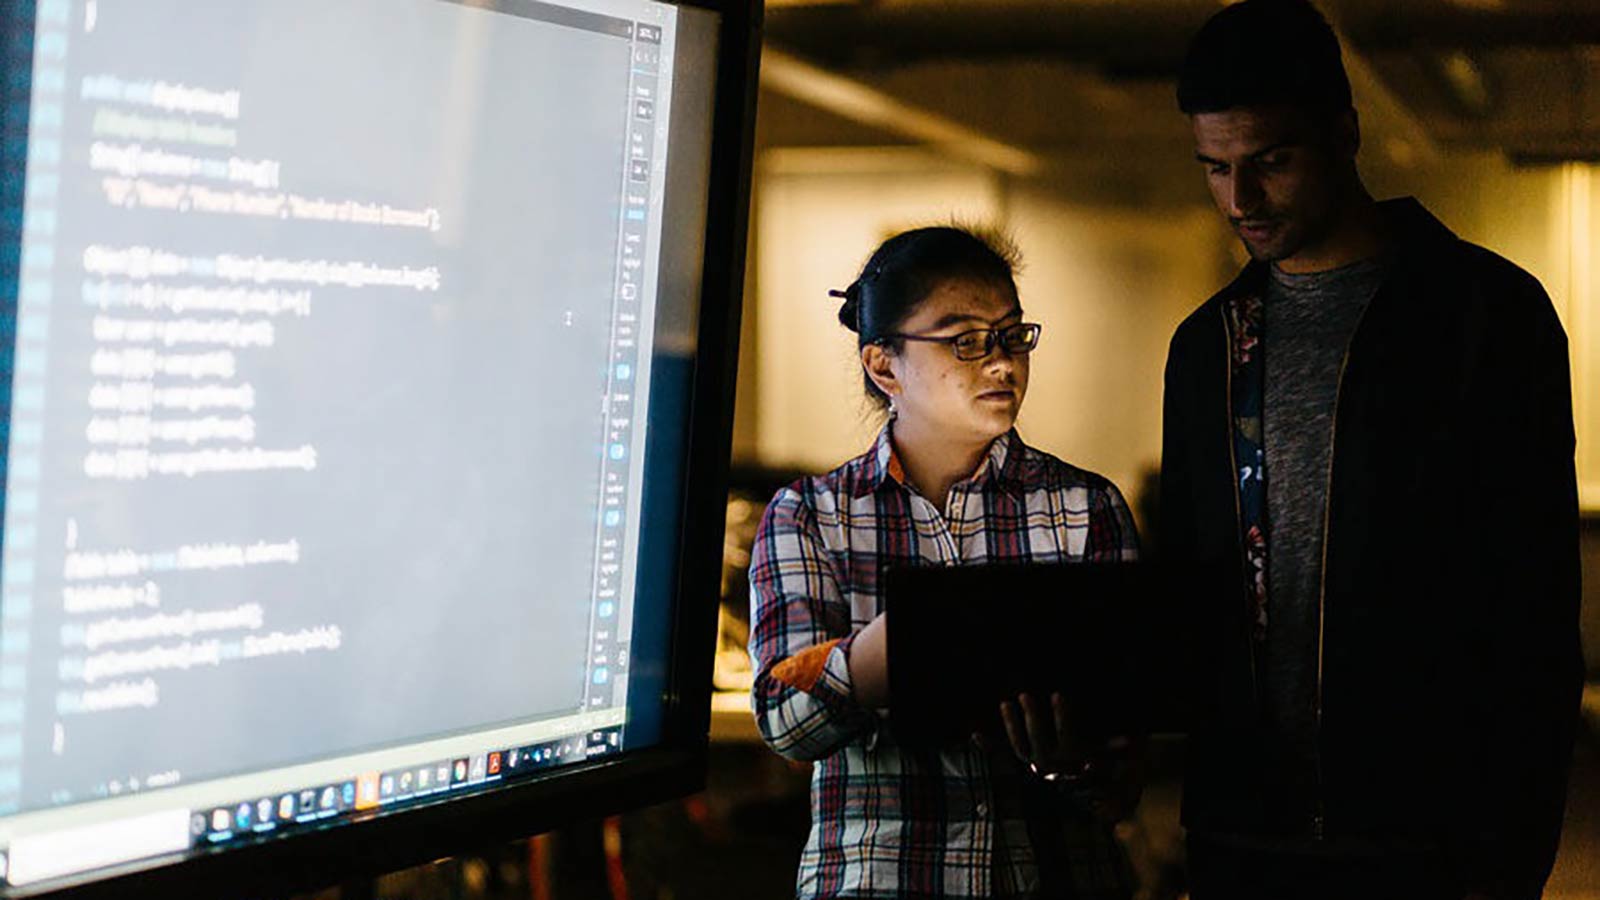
[944, 349]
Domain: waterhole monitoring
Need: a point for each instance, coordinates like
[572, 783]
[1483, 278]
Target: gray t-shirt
[1309, 323]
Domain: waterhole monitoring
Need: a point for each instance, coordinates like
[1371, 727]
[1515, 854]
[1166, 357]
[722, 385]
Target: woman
[944, 349]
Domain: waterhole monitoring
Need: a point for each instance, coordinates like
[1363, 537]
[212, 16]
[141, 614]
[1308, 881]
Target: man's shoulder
[1473, 281]
[1448, 260]
[1200, 327]
[1201, 317]
[1492, 273]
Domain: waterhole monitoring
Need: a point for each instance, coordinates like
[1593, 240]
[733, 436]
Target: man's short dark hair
[1264, 53]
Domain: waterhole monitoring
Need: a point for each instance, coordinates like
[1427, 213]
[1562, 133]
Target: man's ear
[878, 361]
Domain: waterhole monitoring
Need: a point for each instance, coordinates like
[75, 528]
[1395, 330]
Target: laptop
[1130, 646]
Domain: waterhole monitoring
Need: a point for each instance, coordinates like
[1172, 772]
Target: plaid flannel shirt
[887, 821]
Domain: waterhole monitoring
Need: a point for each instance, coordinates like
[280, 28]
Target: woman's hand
[1040, 736]
[1111, 774]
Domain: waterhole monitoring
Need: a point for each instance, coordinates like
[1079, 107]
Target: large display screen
[347, 345]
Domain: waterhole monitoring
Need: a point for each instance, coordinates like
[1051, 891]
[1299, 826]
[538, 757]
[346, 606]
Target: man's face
[1274, 176]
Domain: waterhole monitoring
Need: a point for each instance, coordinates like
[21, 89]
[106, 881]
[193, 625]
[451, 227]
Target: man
[1372, 427]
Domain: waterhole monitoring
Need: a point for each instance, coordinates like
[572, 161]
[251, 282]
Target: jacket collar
[1414, 234]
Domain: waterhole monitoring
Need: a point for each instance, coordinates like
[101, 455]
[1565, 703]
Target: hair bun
[850, 311]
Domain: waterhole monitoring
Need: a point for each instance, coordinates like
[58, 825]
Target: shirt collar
[883, 464]
[999, 467]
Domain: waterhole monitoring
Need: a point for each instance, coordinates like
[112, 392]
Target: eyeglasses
[978, 343]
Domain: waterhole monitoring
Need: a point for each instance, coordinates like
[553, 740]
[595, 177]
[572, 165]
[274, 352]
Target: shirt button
[982, 810]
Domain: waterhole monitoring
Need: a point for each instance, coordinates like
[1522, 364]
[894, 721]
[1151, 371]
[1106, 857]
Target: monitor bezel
[675, 766]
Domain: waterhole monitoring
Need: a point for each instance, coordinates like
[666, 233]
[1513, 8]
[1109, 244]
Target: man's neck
[1357, 235]
[934, 463]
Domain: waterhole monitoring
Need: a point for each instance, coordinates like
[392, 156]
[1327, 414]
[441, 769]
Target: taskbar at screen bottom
[325, 803]
[37, 858]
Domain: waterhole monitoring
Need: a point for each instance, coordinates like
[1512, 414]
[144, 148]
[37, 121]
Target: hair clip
[853, 292]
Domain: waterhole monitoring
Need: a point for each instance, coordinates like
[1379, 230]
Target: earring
[892, 410]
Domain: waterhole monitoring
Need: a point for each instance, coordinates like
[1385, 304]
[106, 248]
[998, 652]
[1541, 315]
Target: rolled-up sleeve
[800, 636]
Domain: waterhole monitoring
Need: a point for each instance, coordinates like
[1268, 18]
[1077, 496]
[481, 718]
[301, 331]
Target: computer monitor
[365, 386]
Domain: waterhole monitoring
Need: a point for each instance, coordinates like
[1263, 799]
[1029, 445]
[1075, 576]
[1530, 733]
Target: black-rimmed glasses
[978, 343]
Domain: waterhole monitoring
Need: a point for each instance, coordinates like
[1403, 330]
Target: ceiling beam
[1135, 36]
[1403, 27]
[860, 102]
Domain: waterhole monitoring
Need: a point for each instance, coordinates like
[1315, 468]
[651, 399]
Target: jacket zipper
[1319, 820]
[1238, 512]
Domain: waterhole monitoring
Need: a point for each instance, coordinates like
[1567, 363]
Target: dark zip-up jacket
[1449, 666]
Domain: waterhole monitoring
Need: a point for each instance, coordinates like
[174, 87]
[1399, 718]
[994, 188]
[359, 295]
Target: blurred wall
[1108, 283]
[819, 215]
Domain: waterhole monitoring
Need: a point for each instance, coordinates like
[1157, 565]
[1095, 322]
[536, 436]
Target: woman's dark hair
[1264, 53]
[906, 268]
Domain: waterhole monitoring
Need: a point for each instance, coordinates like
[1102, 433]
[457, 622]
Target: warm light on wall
[1108, 283]
[1583, 322]
[819, 213]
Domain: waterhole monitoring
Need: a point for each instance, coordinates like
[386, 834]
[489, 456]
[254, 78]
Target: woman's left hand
[1043, 739]
[1040, 735]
